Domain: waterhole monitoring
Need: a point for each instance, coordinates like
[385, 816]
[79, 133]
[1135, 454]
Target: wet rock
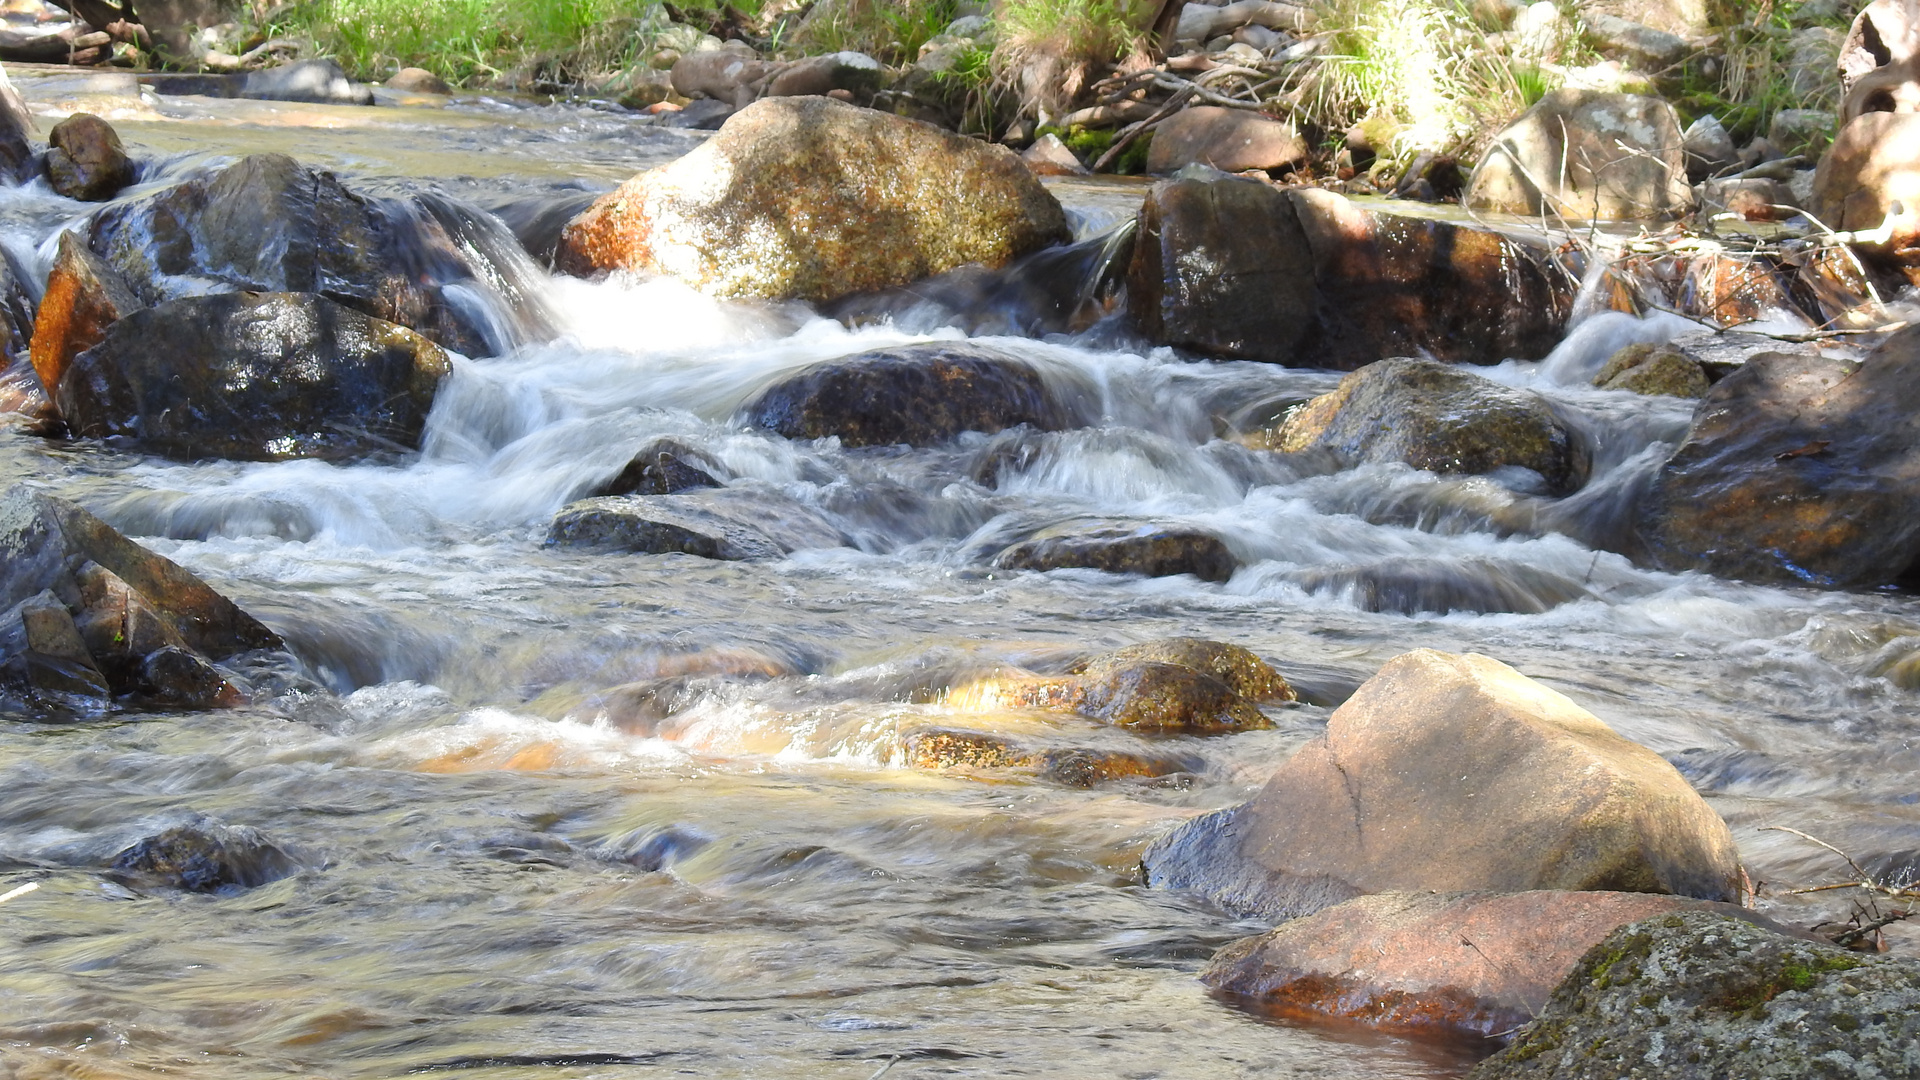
[920, 395]
[1236, 269]
[1135, 691]
[1454, 773]
[664, 467]
[1696, 995]
[939, 748]
[86, 160]
[1870, 177]
[84, 297]
[1446, 964]
[1243, 672]
[1608, 156]
[84, 610]
[814, 199]
[855, 73]
[1798, 469]
[1439, 586]
[16, 133]
[16, 313]
[1437, 417]
[269, 224]
[256, 377]
[1048, 156]
[1653, 369]
[1123, 548]
[415, 80]
[734, 524]
[206, 856]
[705, 114]
[1231, 140]
[21, 393]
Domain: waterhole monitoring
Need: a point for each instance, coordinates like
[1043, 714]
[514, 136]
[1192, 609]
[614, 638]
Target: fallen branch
[21, 891]
[1174, 104]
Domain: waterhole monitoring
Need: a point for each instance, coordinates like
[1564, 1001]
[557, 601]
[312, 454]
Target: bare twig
[21, 891]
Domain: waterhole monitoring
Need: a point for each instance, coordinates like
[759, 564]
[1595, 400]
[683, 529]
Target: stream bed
[503, 875]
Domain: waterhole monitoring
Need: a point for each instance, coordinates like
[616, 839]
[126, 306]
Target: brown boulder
[84, 297]
[854, 73]
[1123, 548]
[1798, 469]
[1438, 417]
[728, 74]
[1048, 156]
[415, 80]
[1075, 766]
[811, 198]
[1580, 155]
[1243, 671]
[1476, 964]
[1180, 686]
[1871, 171]
[86, 161]
[1454, 773]
[1231, 140]
[1653, 369]
[920, 395]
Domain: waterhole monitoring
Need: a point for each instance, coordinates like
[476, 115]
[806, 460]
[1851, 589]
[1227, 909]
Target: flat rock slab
[731, 524]
[1696, 995]
[1462, 964]
[1124, 548]
[1454, 773]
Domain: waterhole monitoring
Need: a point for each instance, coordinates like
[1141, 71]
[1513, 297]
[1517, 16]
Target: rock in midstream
[254, 376]
[1242, 670]
[920, 395]
[206, 856]
[1798, 469]
[85, 612]
[810, 198]
[1654, 369]
[1448, 964]
[1235, 269]
[1438, 417]
[267, 223]
[1151, 550]
[1454, 773]
[665, 466]
[1438, 586]
[1697, 995]
[1177, 687]
[84, 297]
[733, 524]
[85, 160]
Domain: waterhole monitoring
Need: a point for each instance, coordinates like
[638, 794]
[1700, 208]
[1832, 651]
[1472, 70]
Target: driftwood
[58, 48]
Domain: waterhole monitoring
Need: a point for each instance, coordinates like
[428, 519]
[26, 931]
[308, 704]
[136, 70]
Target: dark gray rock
[1701, 996]
[206, 856]
[733, 524]
[664, 467]
[254, 376]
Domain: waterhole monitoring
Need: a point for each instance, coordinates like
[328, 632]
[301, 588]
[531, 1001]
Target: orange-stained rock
[1454, 773]
[1440, 963]
[84, 296]
[811, 198]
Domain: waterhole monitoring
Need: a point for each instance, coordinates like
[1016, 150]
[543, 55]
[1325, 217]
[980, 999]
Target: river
[506, 875]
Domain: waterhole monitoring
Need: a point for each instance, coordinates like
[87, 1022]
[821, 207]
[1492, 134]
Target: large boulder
[1870, 177]
[1448, 964]
[266, 223]
[1231, 140]
[1799, 469]
[810, 198]
[920, 395]
[1581, 155]
[1454, 773]
[1238, 270]
[254, 376]
[730, 524]
[1697, 995]
[85, 160]
[84, 297]
[1438, 417]
[85, 612]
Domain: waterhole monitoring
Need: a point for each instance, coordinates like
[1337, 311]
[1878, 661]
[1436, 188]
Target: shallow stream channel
[496, 872]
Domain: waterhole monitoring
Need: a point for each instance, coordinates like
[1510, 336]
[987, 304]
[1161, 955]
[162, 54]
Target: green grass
[1046, 51]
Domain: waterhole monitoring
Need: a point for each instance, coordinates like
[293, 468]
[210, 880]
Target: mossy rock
[1658, 370]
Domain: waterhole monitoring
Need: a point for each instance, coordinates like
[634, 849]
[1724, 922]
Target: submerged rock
[733, 524]
[920, 395]
[1798, 469]
[1437, 417]
[206, 857]
[1653, 369]
[1454, 774]
[1438, 586]
[810, 198]
[266, 223]
[1697, 995]
[1477, 964]
[1181, 686]
[1236, 269]
[84, 297]
[86, 612]
[1581, 155]
[1075, 766]
[1123, 548]
[254, 376]
[86, 160]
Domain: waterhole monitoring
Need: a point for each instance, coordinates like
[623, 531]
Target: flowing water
[505, 870]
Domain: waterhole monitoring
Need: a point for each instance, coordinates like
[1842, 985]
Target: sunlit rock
[1123, 548]
[1582, 155]
[1438, 417]
[1798, 469]
[1454, 773]
[949, 747]
[1231, 140]
[1869, 179]
[1653, 369]
[920, 395]
[810, 198]
[1244, 672]
[1447, 964]
[254, 376]
[84, 297]
[1170, 688]
[1701, 995]
[86, 160]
